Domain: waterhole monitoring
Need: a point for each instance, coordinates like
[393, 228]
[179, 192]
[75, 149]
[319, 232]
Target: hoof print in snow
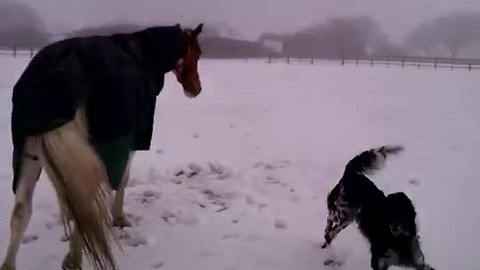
[191, 171]
[158, 265]
[253, 237]
[414, 181]
[220, 171]
[152, 175]
[27, 239]
[264, 165]
[133, 182]
[216, 199]
[195, 136]
[332, 262]
[203, 253]
[148, 197]
[189, 220]
[231, 236]
[159, 151]
[134, 241]
[169, 217]
[281, 224]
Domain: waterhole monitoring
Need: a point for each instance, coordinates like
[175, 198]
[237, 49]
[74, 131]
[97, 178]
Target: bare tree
[20, 26]
[458, 30]
[452, 32]
[336, 37]
[423, 39]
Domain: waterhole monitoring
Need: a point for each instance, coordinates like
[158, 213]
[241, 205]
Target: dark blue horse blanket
[116, 78]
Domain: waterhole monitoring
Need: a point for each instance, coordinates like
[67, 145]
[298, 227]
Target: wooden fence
[17, 52]
[371, 60]
[405, 61]
[387, 61]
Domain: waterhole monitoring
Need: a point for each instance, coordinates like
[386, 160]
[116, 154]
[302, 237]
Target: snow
[237, 178]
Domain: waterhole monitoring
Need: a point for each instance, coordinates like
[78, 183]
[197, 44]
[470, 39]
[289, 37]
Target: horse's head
[186, 69]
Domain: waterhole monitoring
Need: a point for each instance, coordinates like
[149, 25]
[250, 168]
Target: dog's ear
[197, 30]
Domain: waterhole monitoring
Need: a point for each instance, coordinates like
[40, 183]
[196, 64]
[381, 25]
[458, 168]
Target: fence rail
[403, 61]
[17, 52]
[372, 60]
[387, 61]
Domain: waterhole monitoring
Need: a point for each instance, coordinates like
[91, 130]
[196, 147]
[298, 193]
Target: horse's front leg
[119, 217]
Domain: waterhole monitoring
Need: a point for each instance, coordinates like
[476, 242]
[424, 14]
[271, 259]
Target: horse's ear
[198, 30]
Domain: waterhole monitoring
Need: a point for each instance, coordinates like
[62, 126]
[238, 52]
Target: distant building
[274, 45]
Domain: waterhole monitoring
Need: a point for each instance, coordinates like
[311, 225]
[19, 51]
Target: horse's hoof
[121, 221]
[71, 264]
[7, 267]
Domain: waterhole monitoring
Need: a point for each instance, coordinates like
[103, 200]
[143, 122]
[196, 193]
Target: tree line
[453, 35]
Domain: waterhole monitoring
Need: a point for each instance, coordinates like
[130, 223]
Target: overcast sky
[250, 17]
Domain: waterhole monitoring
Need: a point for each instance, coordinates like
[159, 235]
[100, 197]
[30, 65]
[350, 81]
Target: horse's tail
[81, 185]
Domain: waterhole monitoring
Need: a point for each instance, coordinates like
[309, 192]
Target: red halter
[188, 66]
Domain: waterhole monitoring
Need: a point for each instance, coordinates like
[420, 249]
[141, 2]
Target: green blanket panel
[114, 155]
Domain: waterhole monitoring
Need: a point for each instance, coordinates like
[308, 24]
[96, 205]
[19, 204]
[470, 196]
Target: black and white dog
[388, 222]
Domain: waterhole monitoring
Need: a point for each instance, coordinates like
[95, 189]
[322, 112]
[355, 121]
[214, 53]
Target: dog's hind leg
[380, 259]
[418, 257]
[379, 263]
[119, 218]
[22, 211]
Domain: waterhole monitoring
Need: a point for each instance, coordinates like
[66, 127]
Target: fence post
[388, 63]
[403, 62]
[311, 61]
[14, 51]
[269, 59]
[31, 53]
[356, 60]
[288, 60]
[343, 60]
[470, 67]
[418, 63]
[435, 64]
[371, 62]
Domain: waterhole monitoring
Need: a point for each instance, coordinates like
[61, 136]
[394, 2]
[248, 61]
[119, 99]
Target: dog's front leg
[336, 222]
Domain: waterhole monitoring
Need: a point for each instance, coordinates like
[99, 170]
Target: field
[237, 179]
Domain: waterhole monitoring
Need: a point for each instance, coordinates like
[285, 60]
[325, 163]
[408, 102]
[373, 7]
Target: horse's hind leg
[119, 218]
[73, 259]
[22, 210]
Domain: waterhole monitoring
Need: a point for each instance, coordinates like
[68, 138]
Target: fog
[247, 28]
[250, 17]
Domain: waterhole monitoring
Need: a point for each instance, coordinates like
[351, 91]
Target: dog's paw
[325, 245]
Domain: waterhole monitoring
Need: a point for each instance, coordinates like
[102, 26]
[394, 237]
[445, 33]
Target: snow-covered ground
[237, 178]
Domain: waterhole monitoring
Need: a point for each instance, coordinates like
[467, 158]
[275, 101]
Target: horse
[80, 109]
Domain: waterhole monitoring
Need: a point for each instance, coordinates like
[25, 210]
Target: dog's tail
[81, 185]
[371, 160]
